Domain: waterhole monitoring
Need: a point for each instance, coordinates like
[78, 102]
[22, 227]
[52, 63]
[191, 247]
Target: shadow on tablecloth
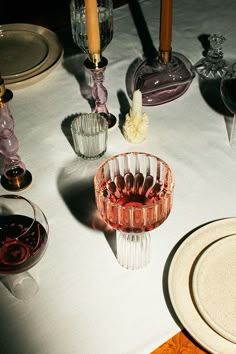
[76, 186]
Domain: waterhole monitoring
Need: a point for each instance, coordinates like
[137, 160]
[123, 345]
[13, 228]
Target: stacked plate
[202, 285]
[28, 54]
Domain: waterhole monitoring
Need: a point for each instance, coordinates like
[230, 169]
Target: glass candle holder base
[160, 83]
[208, 70]
[17, 183]
[133, 250]
[111, 119]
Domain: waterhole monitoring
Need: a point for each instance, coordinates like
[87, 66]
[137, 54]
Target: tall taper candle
[92, 26]
[166, 26]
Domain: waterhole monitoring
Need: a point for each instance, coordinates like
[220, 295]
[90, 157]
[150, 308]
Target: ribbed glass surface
[134, 191]
[134, 194]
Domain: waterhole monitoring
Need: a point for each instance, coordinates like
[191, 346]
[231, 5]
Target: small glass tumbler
[89, 132]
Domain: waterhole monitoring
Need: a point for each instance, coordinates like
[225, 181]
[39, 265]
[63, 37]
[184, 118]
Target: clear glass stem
[133, 249]
[232, 139]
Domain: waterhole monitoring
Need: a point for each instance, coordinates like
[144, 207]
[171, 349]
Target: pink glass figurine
[14, 177]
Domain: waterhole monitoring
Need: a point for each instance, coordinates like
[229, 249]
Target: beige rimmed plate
[28, 54]
[180, 283]
[214, 286]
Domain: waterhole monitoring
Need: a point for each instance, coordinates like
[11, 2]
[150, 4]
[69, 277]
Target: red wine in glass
[23, 234]
[18, 254]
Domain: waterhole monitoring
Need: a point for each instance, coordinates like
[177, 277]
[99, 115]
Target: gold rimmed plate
[28, 53]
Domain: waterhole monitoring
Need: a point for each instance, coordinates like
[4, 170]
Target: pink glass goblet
[134, 193]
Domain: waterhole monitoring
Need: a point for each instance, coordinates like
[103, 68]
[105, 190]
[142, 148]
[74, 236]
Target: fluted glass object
[134, 193]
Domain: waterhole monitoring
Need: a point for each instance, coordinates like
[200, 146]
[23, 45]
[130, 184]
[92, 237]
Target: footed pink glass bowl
[134, 193]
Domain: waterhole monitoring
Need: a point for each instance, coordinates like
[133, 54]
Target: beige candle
[137, 104]
[136, 122]
[92, 26]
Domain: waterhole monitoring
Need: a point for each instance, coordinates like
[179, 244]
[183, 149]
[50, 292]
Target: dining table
[87, 302]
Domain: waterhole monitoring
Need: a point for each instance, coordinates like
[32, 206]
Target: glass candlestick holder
[161, 80]
[99, 91]
[14, 177]
[213, 66]
[80, 38]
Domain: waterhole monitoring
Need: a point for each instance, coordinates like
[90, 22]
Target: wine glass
[134, 193]
[228, 94]
[23, 240]
[80, 37]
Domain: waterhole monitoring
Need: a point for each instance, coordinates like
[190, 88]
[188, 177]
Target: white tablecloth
[87, 303]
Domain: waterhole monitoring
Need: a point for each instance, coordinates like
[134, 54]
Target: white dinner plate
[28, 53]
[180, 283]
[214, 286]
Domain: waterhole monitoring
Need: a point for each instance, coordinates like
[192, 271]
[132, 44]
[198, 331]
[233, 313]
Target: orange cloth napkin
[181, 343]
